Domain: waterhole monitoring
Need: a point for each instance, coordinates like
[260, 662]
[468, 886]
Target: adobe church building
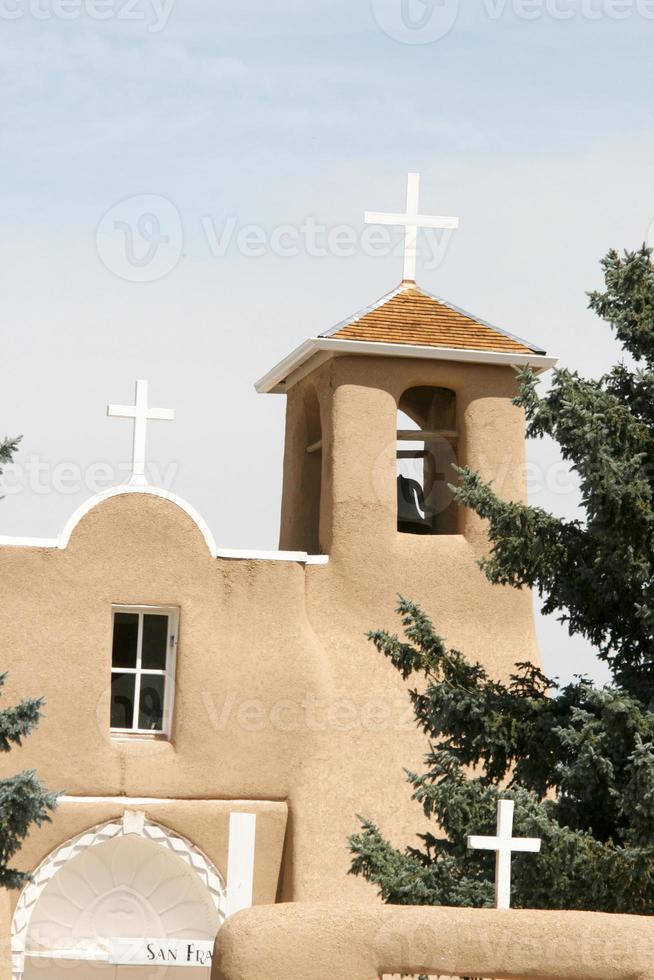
[217, 719]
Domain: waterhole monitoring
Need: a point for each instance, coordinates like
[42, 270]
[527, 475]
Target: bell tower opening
[302, 517]
[427, 439]
[310, 451]
[312, 471]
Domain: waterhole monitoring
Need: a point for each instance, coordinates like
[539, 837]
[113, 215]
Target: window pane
[152, 702]
[155, 642]
[122, 700]
[126, 632]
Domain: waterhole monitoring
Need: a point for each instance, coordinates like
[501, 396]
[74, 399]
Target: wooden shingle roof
[411, 316]
[408, 322]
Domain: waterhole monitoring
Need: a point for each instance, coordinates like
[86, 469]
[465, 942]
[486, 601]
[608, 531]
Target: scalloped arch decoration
[132, 823]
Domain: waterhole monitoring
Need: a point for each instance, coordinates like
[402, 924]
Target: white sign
[162, 952]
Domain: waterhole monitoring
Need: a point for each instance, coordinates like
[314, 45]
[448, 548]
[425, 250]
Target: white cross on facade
[504, 844]
[411, 221]
[141, 415]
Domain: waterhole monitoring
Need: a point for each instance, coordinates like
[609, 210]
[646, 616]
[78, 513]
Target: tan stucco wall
[299, 942]
[280, 697]
[370, 563]
[203, 822]
[358, 399]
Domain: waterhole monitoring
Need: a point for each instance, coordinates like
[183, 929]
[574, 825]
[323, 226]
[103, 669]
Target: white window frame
[172, 612]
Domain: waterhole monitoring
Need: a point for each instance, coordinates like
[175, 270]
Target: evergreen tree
[24, 801]
[7, 449]
[577, 759]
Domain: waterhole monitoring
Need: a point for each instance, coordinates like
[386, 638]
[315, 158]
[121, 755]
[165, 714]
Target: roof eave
[277, 380]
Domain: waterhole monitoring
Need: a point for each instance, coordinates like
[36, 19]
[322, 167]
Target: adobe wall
[358, 398]
[315, 942]
[280, 697]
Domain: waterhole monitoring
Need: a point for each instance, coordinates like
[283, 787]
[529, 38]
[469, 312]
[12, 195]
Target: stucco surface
[306, 942]
[279, 695]
[370, 563]
[203, 822]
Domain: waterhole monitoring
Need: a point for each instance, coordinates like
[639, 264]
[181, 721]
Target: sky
[182, 198]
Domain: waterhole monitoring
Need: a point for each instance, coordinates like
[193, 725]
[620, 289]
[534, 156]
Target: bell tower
[379, 411]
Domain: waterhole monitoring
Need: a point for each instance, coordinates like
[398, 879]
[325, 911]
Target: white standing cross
[504, 844]
[141, 415]
[411, 221]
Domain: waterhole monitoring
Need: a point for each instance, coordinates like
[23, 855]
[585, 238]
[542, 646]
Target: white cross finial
[504, 844]
[141, 415]
[411, 221]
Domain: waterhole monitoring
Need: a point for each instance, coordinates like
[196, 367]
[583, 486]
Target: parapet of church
[358, 943]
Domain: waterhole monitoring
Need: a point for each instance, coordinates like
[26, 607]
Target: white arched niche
[126, 879]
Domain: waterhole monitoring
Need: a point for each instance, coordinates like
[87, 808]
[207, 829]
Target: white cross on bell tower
[411, 220]
[140, 414]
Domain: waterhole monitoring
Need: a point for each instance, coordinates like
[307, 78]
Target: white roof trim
[14, 541]
[297, 556]
[62, 540]
[277, 375]
[278, 380]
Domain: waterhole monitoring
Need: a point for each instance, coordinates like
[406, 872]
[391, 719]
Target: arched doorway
[129, 900]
